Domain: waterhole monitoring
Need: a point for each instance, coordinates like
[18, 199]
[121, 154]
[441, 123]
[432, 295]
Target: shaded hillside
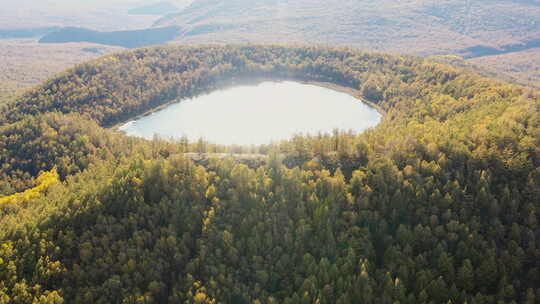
[159, 9]
[480, 51]
[437, 204]
[26, 32]
[128, 39]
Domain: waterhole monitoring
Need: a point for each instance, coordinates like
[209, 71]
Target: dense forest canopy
[437, 204]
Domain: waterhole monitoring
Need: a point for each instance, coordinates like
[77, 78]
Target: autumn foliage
[437, 204]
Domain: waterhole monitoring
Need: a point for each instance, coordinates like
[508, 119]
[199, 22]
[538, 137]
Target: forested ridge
[437, 204]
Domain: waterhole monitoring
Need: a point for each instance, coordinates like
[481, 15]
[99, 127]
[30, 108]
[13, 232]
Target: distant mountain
[158, 9]
[425, 27]
[128, 39]
[26, 32]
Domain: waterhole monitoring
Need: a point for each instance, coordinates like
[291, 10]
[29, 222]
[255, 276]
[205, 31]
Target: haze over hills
[480, 31]
[469, 29]
[24, 62]
[111, 19]
[99, 15]
[80, 5]
[159, 9]
[421, 27]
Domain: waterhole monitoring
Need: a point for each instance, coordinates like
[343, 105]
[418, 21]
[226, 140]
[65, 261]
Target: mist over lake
[257, 114]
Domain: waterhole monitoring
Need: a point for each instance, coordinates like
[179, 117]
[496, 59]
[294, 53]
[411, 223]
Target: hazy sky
[76, 4]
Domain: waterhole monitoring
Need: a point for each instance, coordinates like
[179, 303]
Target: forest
[440, 203]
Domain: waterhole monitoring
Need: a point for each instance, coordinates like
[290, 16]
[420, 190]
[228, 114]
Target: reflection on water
[257, 114]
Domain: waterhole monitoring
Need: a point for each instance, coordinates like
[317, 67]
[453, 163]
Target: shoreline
[353, 92]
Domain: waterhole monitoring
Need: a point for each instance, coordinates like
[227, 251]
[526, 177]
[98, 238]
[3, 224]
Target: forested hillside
[437, 204]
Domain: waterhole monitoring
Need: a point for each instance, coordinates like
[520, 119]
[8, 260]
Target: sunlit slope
[44, 181]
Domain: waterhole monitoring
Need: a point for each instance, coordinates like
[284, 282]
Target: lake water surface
[257, 114]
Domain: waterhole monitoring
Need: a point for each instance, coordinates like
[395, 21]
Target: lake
[257, 114]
